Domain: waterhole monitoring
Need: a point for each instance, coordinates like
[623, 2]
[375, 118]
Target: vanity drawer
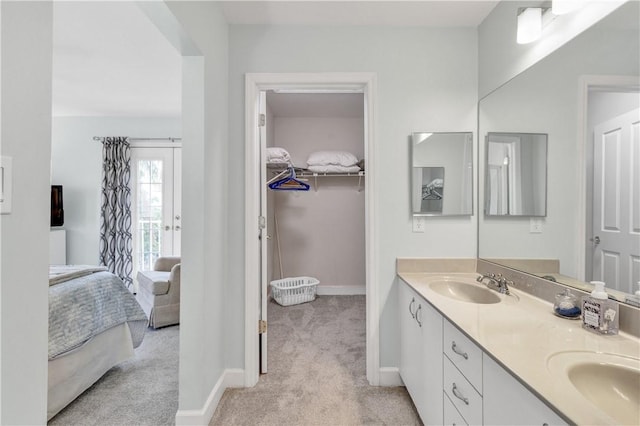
[451, 415]
[464, 397]
[464, 354]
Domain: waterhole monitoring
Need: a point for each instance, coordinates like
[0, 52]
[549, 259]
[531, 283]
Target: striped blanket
[83, 307]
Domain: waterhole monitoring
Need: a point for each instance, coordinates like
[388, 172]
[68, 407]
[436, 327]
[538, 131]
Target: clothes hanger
[289, 183]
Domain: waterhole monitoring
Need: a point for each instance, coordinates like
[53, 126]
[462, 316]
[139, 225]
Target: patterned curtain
[116, 252]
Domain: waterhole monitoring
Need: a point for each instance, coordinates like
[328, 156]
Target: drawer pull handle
[455, 349]
[418, 319]
[413, 301]
[458, 395]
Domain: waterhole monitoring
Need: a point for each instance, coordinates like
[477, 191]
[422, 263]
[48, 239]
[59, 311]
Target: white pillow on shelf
[336, 158]
[277, 155]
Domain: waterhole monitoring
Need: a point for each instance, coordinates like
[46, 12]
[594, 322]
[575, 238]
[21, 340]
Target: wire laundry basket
[295, 290]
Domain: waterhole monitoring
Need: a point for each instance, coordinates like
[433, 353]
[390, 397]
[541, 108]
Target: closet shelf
[316, 175]
[304, 173]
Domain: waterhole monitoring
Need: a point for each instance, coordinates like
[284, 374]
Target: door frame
[313, 82]
[585, 152]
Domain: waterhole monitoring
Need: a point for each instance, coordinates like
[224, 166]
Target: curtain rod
[98, 138]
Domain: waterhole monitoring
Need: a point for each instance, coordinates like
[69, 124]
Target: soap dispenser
[599, 314]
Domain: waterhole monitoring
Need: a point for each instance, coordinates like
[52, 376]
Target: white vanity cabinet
[451, 380]
[462, 361]
[452, 416]
[421, 354]
[508, 402]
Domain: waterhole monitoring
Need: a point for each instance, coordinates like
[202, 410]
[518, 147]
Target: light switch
[5, 185]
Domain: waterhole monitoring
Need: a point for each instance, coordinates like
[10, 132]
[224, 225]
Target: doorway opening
[315, 230]
[156, 206]
[257, 85]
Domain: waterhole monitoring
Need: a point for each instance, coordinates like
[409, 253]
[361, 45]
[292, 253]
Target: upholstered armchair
[159, 292]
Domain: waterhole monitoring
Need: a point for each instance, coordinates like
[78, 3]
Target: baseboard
[230, 378]
[234, 378]
[341, 290]
[390, 376]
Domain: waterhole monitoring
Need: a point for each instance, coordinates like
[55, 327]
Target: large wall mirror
[441, 174]
[586, 97]
[516, 174]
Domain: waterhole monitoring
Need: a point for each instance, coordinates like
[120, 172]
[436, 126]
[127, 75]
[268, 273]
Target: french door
[156, 210]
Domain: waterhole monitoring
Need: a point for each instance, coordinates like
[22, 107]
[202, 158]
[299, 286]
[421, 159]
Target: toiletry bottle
[599, 314]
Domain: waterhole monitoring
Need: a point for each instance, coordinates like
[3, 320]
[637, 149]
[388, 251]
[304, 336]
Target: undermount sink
[611, 382]
[464, 291]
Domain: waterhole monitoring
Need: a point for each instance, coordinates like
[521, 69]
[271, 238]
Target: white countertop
[522, 335]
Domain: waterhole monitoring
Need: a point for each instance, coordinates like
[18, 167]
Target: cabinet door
[451, 415]
[430, 322]
[507, 402]
[410, 349]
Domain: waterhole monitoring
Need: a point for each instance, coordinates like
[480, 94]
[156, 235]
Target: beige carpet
[316, 373]
[142, 391]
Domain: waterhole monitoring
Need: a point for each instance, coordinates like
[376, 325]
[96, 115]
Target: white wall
[501, 58]
[426, 81]
[322, 231]
[27, 31]
[204, 322]
[76, 163]
[544, 99]
[604, 106]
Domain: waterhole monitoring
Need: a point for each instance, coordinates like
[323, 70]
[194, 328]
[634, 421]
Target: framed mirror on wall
[570, 95]
[441, 174]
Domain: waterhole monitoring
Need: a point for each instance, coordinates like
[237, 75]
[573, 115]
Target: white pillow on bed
[336, 158]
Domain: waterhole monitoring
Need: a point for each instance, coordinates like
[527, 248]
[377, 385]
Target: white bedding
[85, 306]
[75, 371]
[61, 273]
[332, 158]
[94, 324]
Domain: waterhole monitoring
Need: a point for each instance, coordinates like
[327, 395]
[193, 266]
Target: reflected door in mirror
[516, 174]
[616, 198]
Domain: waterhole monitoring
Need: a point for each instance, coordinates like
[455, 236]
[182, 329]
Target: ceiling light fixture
[529, 25]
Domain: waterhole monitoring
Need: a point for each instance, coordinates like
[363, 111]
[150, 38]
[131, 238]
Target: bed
[95, 323]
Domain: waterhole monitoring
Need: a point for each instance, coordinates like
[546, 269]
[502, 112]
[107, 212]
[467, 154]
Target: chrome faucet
[491, 276]
[503, 285]
[496, 282]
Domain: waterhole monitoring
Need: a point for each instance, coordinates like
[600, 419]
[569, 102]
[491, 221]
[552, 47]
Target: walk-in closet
[319, 232]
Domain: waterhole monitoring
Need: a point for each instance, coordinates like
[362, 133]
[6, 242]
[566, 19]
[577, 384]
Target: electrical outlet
[419, 223]
[535, 225]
